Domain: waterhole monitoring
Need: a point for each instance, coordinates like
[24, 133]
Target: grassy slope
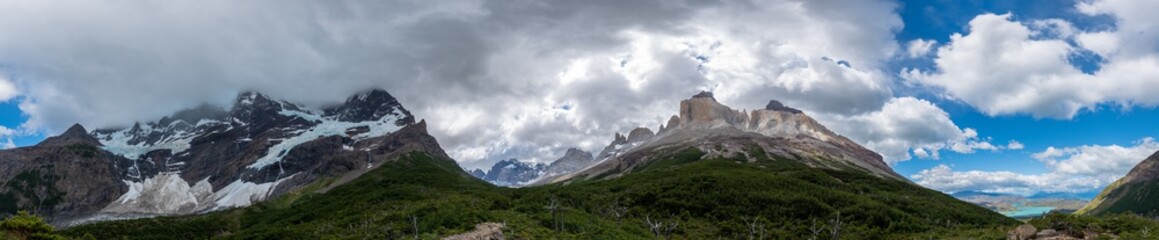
[1138, 198]
[708, 198]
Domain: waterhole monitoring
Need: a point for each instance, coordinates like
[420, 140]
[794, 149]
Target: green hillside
[706, 199]
[1137, 198]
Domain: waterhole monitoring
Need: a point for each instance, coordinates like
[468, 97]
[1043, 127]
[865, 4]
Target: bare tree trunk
[414, 220]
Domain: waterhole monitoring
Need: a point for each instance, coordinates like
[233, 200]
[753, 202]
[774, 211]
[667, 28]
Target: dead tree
[553, 207]
[617, 211]
[670, 228]
[816, 229]
[756, 227]
[835, 226]
[661, 230]
[414, 220]
[656, 226]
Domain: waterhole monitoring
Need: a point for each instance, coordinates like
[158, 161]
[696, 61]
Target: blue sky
[940, 88]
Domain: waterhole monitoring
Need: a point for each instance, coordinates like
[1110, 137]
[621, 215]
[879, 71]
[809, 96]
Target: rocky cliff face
[573, 160]
[210, 158]
[781, 132]
[1137, 192]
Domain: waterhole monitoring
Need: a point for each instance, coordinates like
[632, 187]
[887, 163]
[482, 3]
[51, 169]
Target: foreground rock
[483, 231]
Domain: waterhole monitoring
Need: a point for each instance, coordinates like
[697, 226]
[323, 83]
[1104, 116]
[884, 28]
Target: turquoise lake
[1028, 211]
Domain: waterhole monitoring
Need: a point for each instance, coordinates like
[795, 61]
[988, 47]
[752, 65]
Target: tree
[553, 207]
[414, 220]
[617, 210]
[835, 226]
[27, 226]
[756, 227]
[660, 229]
[816, 229]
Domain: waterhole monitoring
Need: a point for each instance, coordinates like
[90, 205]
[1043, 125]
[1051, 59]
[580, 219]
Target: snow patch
[327, 127]
[118, 142]
[164, 193]
[241, 193]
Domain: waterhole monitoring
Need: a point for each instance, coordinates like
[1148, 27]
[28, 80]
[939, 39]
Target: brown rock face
[640, 135]
[74, 135]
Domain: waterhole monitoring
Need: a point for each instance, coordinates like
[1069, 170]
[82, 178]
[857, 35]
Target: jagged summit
[76, 134]
[704, 94]
[368, 106]
[775, 105]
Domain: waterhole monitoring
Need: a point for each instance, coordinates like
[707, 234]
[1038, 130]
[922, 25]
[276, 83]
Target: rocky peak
[704, 94]
[640, 135]
[74, 135]
[702, 111]
[775, 105]
[512, 172]
[574, 153]
[1147, 170]
[370, 106]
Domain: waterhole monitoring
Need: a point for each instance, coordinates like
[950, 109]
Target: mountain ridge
[1134, 192]
[778, 132]
[209, 158]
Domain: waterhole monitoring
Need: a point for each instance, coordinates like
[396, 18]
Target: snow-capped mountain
[511, 173]
[210, 158]
[778, 131]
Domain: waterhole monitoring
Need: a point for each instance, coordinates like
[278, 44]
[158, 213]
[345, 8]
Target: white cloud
[1014, 145]
[908, 124]
[1003, 67]
[487, 75]
[919, 47]
[1071, 169]
[8, 144]
[8, 89]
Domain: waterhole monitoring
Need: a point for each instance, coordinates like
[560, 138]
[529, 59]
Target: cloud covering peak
[496, 79]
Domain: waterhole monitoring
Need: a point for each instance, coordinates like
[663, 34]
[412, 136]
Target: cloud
[1015, 145]
[491, 77]
[919, 47]
[8, 89]
[1070, 169]
[1004, 67]
[905, 125]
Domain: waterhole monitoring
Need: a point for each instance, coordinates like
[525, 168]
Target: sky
[998, 96]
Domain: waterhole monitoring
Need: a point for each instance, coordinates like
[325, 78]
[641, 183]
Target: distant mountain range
[1024, 206]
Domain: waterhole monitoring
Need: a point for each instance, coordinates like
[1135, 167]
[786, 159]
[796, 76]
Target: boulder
[1023, 232]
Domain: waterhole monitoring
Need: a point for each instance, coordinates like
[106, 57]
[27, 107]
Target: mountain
[572, 160]
[511, 173]
[777, 132]
[208, 158]
[1018, 206]
[1137, 192]
[427, 196]
[701, 178]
